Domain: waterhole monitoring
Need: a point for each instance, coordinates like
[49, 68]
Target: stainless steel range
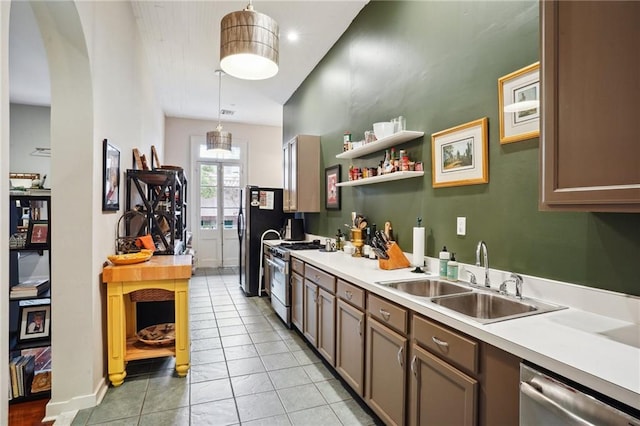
[280, 270]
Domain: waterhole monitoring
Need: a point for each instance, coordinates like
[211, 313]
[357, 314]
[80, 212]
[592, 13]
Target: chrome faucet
[482, 246]
[515, 278]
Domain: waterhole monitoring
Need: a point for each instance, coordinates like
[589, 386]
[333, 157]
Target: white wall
[4, 195]
[30, 129]
[265, 147]
[99, 90]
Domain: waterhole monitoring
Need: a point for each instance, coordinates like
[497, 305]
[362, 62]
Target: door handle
[400, 355]
[441, 343]
[385, 315]
[360, 327]
[413, 366]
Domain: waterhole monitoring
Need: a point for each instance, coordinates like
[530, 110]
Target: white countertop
[597, 351]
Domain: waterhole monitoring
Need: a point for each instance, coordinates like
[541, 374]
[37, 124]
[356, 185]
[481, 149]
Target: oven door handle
[275, 264]
[531, 392]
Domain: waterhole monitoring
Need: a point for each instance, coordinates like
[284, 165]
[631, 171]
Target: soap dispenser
[444, 259]
[452, 268]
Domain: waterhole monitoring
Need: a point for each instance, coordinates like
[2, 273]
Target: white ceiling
[181, 40]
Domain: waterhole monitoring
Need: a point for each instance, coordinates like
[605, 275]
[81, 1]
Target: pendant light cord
[219, 98]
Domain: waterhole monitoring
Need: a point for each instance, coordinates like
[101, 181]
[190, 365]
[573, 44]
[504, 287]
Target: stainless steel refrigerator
[261, 211]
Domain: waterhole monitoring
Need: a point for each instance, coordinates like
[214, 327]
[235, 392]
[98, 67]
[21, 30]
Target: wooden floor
[28, 413]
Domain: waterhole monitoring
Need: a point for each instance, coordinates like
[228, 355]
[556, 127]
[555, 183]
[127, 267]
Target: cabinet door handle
[360, 327]
[386, 315]
[349, 295]
[413, 366]
[400, 355]
[317, 278]
[440, 343]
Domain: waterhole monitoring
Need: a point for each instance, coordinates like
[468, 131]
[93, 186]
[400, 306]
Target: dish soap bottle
[444, 259]
[452, 268]
[339, 240]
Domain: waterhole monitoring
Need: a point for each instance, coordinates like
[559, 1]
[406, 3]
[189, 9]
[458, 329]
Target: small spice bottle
[346, 141]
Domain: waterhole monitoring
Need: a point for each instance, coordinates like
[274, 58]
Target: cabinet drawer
[388, 313]
[297, 265]
[323, 279]
[447, 344]
[350, 293]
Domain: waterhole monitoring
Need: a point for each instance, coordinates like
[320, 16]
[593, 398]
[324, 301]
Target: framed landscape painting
[519, 104]
[460, 155]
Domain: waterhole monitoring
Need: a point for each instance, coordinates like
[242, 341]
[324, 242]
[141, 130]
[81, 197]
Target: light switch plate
[461, 226]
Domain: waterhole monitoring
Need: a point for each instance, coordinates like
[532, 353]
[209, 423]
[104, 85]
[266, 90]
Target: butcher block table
[170, 273]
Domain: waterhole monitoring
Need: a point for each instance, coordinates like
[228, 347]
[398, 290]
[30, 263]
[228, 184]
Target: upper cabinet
[302, 174]
[590, 155]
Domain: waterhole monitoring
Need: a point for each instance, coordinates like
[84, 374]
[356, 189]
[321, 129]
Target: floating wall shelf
[380, 144]
[382, 178]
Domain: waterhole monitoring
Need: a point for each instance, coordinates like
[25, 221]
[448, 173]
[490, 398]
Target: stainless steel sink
[426, 287]
[489, 307]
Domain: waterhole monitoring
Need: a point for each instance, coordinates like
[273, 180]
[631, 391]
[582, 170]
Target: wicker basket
[130, 226]
[151, 295]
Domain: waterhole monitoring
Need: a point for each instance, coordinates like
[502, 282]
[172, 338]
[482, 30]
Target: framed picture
[332, 195]
[519, 104]
[38, 234]
[110, 177]
[460, 155]
[35, 322]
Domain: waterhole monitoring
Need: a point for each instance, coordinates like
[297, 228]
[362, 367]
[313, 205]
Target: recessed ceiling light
[292, 36]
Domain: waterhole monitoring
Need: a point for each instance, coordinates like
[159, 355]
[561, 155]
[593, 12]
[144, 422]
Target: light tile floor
[246, 368]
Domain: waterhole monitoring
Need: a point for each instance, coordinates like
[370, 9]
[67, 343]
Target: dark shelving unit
[161, 193]
[25, 208]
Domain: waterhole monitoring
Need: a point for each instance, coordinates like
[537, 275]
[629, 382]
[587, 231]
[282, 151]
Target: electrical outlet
[461, 226]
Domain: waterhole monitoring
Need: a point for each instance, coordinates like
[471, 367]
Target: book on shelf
[22, 369]
[29, 288]
[42, 368]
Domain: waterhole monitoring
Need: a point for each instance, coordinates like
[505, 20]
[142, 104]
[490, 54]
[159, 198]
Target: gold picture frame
[519, 104]
[460, 155]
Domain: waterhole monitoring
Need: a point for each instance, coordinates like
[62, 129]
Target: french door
[218, 179]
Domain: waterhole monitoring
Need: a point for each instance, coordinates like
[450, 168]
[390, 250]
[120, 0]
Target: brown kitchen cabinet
[327, 325]
[386, 359]
[455, 379]
[319, 313]
[589, 154]
[297, 297]
[310, 312]
[350, 347]
[301, 160]
[440, 393]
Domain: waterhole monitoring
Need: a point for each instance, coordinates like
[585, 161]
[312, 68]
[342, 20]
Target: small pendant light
[249, 43]
[217, 139]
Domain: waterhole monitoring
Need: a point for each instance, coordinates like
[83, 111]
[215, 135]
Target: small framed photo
[519, 104]
[38, 234]
[110, 177]
[35, 322]
[460, 155]
[332, 195]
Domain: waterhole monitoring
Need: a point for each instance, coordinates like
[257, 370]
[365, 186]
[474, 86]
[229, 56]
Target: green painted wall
[437, 64]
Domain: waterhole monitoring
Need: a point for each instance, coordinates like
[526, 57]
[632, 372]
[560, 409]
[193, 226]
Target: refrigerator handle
[240, 225]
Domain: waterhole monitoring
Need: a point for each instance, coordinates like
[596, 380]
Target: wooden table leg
[116, 334]
[182, 327]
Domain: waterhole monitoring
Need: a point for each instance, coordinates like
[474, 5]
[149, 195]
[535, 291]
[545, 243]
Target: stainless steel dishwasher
[549, 401]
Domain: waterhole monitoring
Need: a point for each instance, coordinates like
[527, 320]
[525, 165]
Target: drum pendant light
[249, 44]
[217, 139]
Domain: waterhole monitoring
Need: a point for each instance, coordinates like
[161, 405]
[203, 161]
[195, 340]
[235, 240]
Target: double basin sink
[483, 305]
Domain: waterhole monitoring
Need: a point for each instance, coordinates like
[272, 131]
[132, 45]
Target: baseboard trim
[63, 412]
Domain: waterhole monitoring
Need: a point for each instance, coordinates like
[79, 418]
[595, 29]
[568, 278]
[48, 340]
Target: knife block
[396, 260]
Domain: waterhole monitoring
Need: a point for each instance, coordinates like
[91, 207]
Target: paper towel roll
[418, 246]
